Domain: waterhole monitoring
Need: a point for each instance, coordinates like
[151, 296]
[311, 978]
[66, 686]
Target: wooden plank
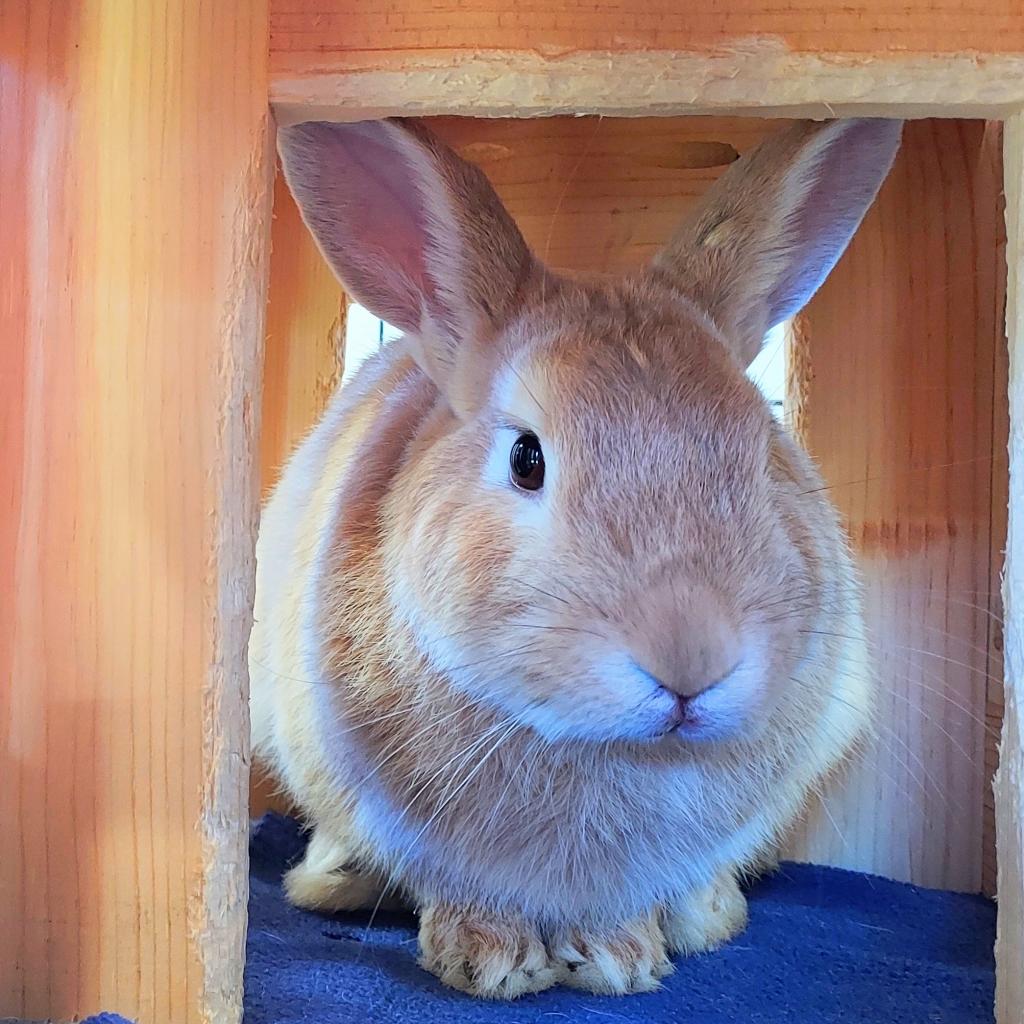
[899, 407]
[753, 77]
[1000, 490]
[1009, 788]
[134, 195]
[347, 58]
[558, 28]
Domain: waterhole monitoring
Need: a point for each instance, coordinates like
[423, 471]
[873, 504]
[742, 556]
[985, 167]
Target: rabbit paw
[706, 919]
[626, 959]
[325, 880]
[488, 955]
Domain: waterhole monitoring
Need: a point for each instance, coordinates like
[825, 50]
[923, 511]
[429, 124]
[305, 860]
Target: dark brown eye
[526, 462]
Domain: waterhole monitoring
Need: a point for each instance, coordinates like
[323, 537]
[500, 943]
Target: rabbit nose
[686, 690]
[685, 639]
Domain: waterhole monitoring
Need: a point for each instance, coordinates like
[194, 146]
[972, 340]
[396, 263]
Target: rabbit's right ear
[414, 233]
[771, 228]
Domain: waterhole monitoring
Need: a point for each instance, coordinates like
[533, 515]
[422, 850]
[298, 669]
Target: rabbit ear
[414, 233]
[772, 227]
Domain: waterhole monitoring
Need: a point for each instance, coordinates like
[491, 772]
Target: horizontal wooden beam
[755, 76]
[558, 28]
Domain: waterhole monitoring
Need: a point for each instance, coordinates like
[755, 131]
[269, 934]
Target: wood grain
[1000, 494]
[351, 59]
[601, 195]
[134, 198]
[1009, 788]
[902, 400]
[304, 350]
[755, 76]
[556, 28]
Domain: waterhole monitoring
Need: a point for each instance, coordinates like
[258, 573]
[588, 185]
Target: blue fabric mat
[823, 946]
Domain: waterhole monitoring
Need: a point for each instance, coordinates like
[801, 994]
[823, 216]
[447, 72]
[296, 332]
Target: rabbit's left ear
[772, 227]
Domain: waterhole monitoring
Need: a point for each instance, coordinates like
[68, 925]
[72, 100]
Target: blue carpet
[823, 946]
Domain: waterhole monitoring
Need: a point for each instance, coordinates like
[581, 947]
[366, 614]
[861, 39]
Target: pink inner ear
[361, 199]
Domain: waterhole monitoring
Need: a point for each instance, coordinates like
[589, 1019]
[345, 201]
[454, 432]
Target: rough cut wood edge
[223, 918]
[799, 372]
[760, 76]
[1009, 784]
[997, 554]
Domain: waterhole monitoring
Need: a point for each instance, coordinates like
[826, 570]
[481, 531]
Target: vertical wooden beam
[899, 366]
[996, 628]
[303, 362]
[134, 199]
[1009, 787]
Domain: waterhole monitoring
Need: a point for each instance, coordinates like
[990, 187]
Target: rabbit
[556, 629]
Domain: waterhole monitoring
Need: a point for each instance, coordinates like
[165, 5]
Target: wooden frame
[135, 212]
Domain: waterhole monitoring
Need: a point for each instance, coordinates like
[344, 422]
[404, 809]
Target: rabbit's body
[436, 667]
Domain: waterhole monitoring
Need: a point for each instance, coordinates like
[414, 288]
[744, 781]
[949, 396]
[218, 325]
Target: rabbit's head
[600, 528]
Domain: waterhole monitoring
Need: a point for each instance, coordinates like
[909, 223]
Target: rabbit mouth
[731, 706]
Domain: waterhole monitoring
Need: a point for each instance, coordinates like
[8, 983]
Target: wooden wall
[902, 403]
[908, 326]
[134, 188]
[304, 348]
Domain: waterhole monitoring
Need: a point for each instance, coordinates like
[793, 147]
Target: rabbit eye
[526, 463]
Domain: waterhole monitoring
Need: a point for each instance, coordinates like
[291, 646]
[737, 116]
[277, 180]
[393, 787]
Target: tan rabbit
[555, 626]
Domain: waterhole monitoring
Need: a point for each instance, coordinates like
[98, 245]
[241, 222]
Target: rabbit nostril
[683, 713]
[685, 689]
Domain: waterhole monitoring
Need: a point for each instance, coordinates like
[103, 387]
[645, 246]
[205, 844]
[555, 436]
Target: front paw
[706, 919]
[489, 955]
[629, 958]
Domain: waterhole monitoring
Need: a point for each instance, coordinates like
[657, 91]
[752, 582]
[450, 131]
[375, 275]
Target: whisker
[395, 873]
[903, 472]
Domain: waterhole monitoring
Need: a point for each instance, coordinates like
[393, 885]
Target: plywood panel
[134, 195]
[1010, 780]
[900, 372]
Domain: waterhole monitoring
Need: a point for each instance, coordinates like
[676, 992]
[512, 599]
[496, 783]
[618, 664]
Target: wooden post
[899, 360]
[1009, 788]
[134, 199]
